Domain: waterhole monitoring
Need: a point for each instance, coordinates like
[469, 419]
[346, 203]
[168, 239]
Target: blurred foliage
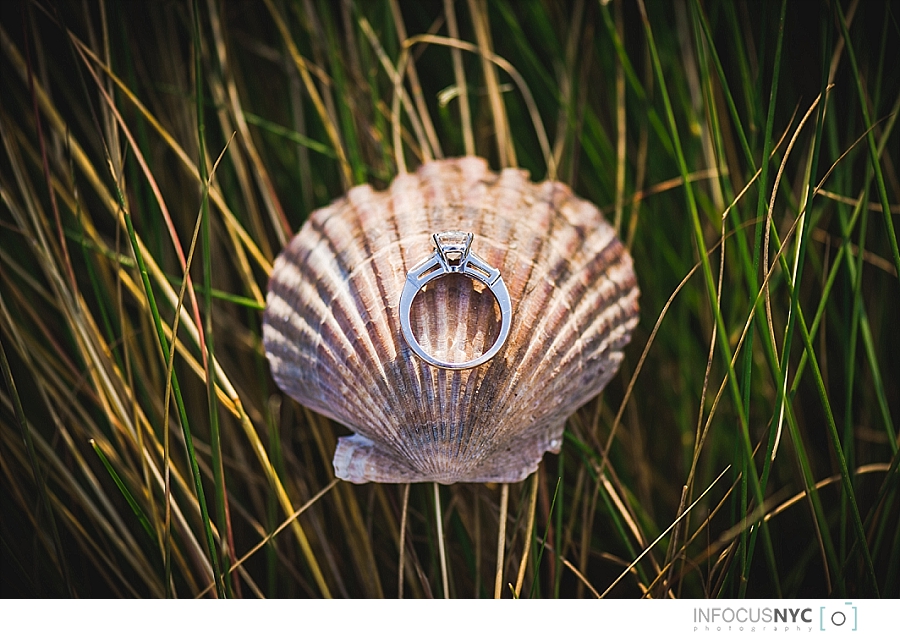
[770, 355]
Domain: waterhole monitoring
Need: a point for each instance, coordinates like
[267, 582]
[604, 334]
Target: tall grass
[157, 156]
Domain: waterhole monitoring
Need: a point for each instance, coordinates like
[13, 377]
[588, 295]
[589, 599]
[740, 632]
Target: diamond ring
[452, 254]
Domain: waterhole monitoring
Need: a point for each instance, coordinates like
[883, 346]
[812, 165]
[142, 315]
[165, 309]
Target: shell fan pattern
[332, 332]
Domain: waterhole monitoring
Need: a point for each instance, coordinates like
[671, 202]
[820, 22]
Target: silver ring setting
[452, 254]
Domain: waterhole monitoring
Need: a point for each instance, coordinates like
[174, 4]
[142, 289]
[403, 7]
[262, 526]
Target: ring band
[452, 254]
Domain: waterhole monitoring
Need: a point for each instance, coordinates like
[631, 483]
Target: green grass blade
[179, 399]
[870, 140]
[126, 493]
[540, 555]
[707, 269]
[223, 585]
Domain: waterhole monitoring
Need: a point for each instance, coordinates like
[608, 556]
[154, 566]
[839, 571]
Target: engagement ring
[453, 254]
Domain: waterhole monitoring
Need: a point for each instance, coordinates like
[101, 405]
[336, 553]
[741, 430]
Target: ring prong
[453, 247]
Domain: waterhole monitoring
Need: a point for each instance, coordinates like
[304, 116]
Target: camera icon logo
[834, 619]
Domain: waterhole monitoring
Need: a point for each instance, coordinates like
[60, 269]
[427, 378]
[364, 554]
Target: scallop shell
[331, 328]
